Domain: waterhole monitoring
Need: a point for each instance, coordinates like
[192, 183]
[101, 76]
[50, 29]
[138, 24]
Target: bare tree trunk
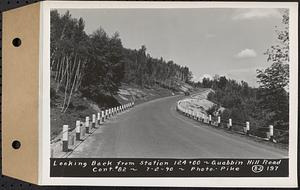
[67, 84]
[73, 85]
[63, 73]
[59, 68]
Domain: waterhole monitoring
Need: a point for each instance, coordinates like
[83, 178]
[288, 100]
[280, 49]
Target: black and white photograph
[182, 84]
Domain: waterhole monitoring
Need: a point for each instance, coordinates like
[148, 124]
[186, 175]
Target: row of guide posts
[200, 117]
[93, 123]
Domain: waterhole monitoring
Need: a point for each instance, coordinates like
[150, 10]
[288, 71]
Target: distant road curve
[155, 130]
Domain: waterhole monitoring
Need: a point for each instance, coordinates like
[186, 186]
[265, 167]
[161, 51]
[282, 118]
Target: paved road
[155, 130]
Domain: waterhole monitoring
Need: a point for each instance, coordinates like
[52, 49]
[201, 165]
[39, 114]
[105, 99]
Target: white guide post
[102, 116]
[65, 138]
[247, 127]
[106, 113]
[87, 124]
[77, 130]
[99, 118]
[271, 131]
[94, 121]
[230, 123]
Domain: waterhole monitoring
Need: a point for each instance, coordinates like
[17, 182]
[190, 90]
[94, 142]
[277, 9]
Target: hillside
[81, 106]
[93, 72]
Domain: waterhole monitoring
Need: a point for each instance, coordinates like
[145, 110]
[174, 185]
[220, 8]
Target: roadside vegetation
[96, 65]
[91, 72]
[263, 106]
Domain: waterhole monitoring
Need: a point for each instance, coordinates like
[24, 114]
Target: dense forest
[96, 65]
[269, 103]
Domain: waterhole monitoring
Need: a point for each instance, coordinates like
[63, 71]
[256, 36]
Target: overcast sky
[228, 42]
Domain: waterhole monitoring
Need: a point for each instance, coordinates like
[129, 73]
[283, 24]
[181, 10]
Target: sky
[222, 41]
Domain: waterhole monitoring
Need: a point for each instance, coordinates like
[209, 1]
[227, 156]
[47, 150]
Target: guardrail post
[94, 121]
[271, 131]
[102, 116]
[219, 121]
[82, 130]
[209, 120]
[98, 118]
[106, 114]
[230, 124]
[247, 127]
[65, 138]
[87, 123]
[77, 130]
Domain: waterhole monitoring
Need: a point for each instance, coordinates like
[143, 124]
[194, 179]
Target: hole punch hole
[17, 42]
[16, 144]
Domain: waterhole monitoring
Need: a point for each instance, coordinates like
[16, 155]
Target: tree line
[96, 65]
[269, 103]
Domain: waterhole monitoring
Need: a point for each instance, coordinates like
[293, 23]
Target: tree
[274, 80]
[68, 54]
[96, 65]
[104, 71]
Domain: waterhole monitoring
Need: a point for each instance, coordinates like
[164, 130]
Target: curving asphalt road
[155, 130]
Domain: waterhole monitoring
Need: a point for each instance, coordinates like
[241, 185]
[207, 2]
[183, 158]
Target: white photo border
[44, 117]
